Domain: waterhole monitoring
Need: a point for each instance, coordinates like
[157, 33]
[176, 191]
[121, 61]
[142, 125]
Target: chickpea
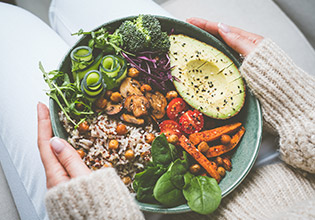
[203, 147]
[225, 139]
[194, 169]
[219, 161]
[101, 103]
[133, 72]
[172, 139]
[113, 145]
[171, 95]
[121, 129]
[108, 164]
[145, 88]
[81, 153]
[221, 171]
[83, 127]
[108, 93]
[149, 138]
[126, 180]
[116, 97]
[129, 154]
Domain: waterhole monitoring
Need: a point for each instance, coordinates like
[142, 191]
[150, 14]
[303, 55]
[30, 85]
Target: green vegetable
[162, 152]
[202, 193]
[93, 66]
[93, 85]
[144, 183]
[114, 70]
[67, 95]
[144, 33]
[81, 58]
[166, 192]
[178, 169]
[102, 39]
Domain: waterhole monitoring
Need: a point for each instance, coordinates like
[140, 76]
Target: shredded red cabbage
[156, 68]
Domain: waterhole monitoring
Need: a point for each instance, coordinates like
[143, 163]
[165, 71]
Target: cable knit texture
[287, 96]
[101, 195]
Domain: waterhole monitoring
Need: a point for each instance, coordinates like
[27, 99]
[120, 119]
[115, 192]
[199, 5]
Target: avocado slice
[206, 78]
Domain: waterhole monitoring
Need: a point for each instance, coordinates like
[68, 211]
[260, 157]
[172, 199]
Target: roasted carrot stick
[209, 166]
[213, 134]
[221, 149]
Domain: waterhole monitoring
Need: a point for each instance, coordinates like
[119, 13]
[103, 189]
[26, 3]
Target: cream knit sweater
[287, 96]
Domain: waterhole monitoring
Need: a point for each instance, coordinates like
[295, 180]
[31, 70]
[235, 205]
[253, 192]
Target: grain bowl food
[163, 108]
[95, 143]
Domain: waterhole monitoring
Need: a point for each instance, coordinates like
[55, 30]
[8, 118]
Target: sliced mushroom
[132, 119]
[130, 87]
[158, 103]
[113, 109]
[137, 104]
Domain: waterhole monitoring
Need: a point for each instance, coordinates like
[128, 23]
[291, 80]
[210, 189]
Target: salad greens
[67, 95]
[168, 181]
[202, 193]
[163, 153]
[166, 192]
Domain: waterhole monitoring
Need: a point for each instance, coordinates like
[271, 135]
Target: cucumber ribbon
[93, 85]
[113, 69]
[83, 61]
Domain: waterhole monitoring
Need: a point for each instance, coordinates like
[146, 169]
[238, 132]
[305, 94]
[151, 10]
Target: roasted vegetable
[221, 149]
[209, 166]
[213, 134]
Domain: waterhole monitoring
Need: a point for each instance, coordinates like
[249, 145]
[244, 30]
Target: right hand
[239, 40]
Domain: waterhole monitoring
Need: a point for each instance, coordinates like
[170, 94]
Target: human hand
[239, 40]
[61, 161]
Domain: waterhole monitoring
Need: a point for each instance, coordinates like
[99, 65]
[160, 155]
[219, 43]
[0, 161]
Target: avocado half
[206, 78]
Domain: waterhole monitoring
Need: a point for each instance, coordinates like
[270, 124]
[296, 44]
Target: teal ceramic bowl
[246, 153]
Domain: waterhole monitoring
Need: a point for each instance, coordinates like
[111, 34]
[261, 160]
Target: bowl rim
[181, 208]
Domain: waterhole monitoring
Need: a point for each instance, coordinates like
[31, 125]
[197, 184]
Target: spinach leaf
[166, 193]
[178, 169]
[162, 152]
[144, 183]
[187, 178]
[203, 194]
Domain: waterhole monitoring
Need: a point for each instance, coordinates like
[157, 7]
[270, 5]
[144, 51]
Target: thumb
[69, 158]
[236, 39]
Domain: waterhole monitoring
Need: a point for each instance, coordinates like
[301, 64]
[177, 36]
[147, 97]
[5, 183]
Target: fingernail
[57, 145]
[224, 27]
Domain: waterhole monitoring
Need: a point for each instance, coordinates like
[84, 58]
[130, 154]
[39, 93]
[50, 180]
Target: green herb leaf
[166, 192]
[162, 152]
[202, 193]
[178, 169]
[144, 182]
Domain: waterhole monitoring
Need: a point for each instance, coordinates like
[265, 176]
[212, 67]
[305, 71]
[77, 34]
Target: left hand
[60, 159]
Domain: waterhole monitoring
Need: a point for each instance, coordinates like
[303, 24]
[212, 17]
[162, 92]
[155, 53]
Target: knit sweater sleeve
[286, 94]
[100, 195]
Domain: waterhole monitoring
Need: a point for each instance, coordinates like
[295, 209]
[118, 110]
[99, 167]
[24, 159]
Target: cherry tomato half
[191, 122]
[169, 127]
[176, 108]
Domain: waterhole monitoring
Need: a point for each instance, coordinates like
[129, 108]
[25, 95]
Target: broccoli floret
[161, 44]
[144, 33]
[134, 40]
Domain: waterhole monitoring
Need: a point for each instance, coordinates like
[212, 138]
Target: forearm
[100, 195]
[286, 94]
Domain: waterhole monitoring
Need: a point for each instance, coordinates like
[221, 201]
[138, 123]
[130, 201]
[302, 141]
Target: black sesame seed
[218, 108]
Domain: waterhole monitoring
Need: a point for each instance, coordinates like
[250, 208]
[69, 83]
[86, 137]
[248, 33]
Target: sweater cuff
[100, 195]
[286, 94]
